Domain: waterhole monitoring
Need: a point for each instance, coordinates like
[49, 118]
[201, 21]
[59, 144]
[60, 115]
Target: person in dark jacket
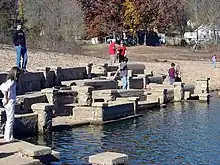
[19, 41]
[124, 73]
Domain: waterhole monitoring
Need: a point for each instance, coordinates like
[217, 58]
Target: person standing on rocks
[172, 73]
[112, 52]
[123, 72]
[19, 41]
[8, 88]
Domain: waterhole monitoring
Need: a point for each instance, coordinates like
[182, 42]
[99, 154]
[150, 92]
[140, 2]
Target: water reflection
[184, 133]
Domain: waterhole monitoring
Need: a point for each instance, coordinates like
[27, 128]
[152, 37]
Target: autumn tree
[131, 16]
[102, 16]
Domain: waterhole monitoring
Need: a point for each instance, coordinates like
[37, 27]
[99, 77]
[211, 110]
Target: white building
[205, 33]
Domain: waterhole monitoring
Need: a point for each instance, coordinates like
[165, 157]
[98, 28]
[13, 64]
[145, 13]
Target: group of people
[8, 88]
[120, 52]
[117, 52]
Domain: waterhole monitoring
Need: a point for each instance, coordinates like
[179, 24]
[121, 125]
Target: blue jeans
[21, 52]
[214, 64]
[172, 80]
[124, 82]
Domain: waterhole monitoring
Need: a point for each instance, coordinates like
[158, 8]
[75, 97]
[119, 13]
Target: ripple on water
[186, 133]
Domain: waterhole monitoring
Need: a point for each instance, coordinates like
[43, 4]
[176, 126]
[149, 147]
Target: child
[178, 74]
[214, 61]
[122, 52]
[8, 88]
[171, 73]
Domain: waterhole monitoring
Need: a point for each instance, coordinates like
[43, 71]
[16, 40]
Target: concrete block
[117, 110]
[148, 104]
[137, 83]
[135, 101]
[106, 95]
[132, 93]
[204, 97]
[95, 83]
[50, 94]
[99, 104]
[30, 82]
[108, 158]
[202, 86]
[26, 125]
[136, 68]
[45, 115]
[187, 95]
[155, 79]
[49, 77]
[89, 70]
[189, 87]
[25, 101]
[85, 113]
[178, 91]
[148, 72]
[62, 98]
[111, 68]
[67, 74]
[31, 150]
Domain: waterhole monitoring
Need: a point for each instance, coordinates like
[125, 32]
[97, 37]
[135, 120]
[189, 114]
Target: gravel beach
[192, 69]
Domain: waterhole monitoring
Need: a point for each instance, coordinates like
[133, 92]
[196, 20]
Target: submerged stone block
[108, 158]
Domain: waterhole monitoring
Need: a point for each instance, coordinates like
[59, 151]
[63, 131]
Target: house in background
[205, 33]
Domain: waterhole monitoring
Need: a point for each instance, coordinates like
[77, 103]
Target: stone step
[146, 105]
[95, 83]
[24, 102]
[24, 153]
[108, 158]
[31, 150]
[25, 124]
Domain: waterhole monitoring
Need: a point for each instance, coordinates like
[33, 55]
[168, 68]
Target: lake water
[183, 133]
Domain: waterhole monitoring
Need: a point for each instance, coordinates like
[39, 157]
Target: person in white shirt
[8, 88]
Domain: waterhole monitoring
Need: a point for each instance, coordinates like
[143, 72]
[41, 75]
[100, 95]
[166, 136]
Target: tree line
[51, 23]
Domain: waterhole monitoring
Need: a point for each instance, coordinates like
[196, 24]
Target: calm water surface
[183, 133]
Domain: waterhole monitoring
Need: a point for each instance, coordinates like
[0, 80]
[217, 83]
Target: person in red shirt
[122, 52]
[112, 52]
